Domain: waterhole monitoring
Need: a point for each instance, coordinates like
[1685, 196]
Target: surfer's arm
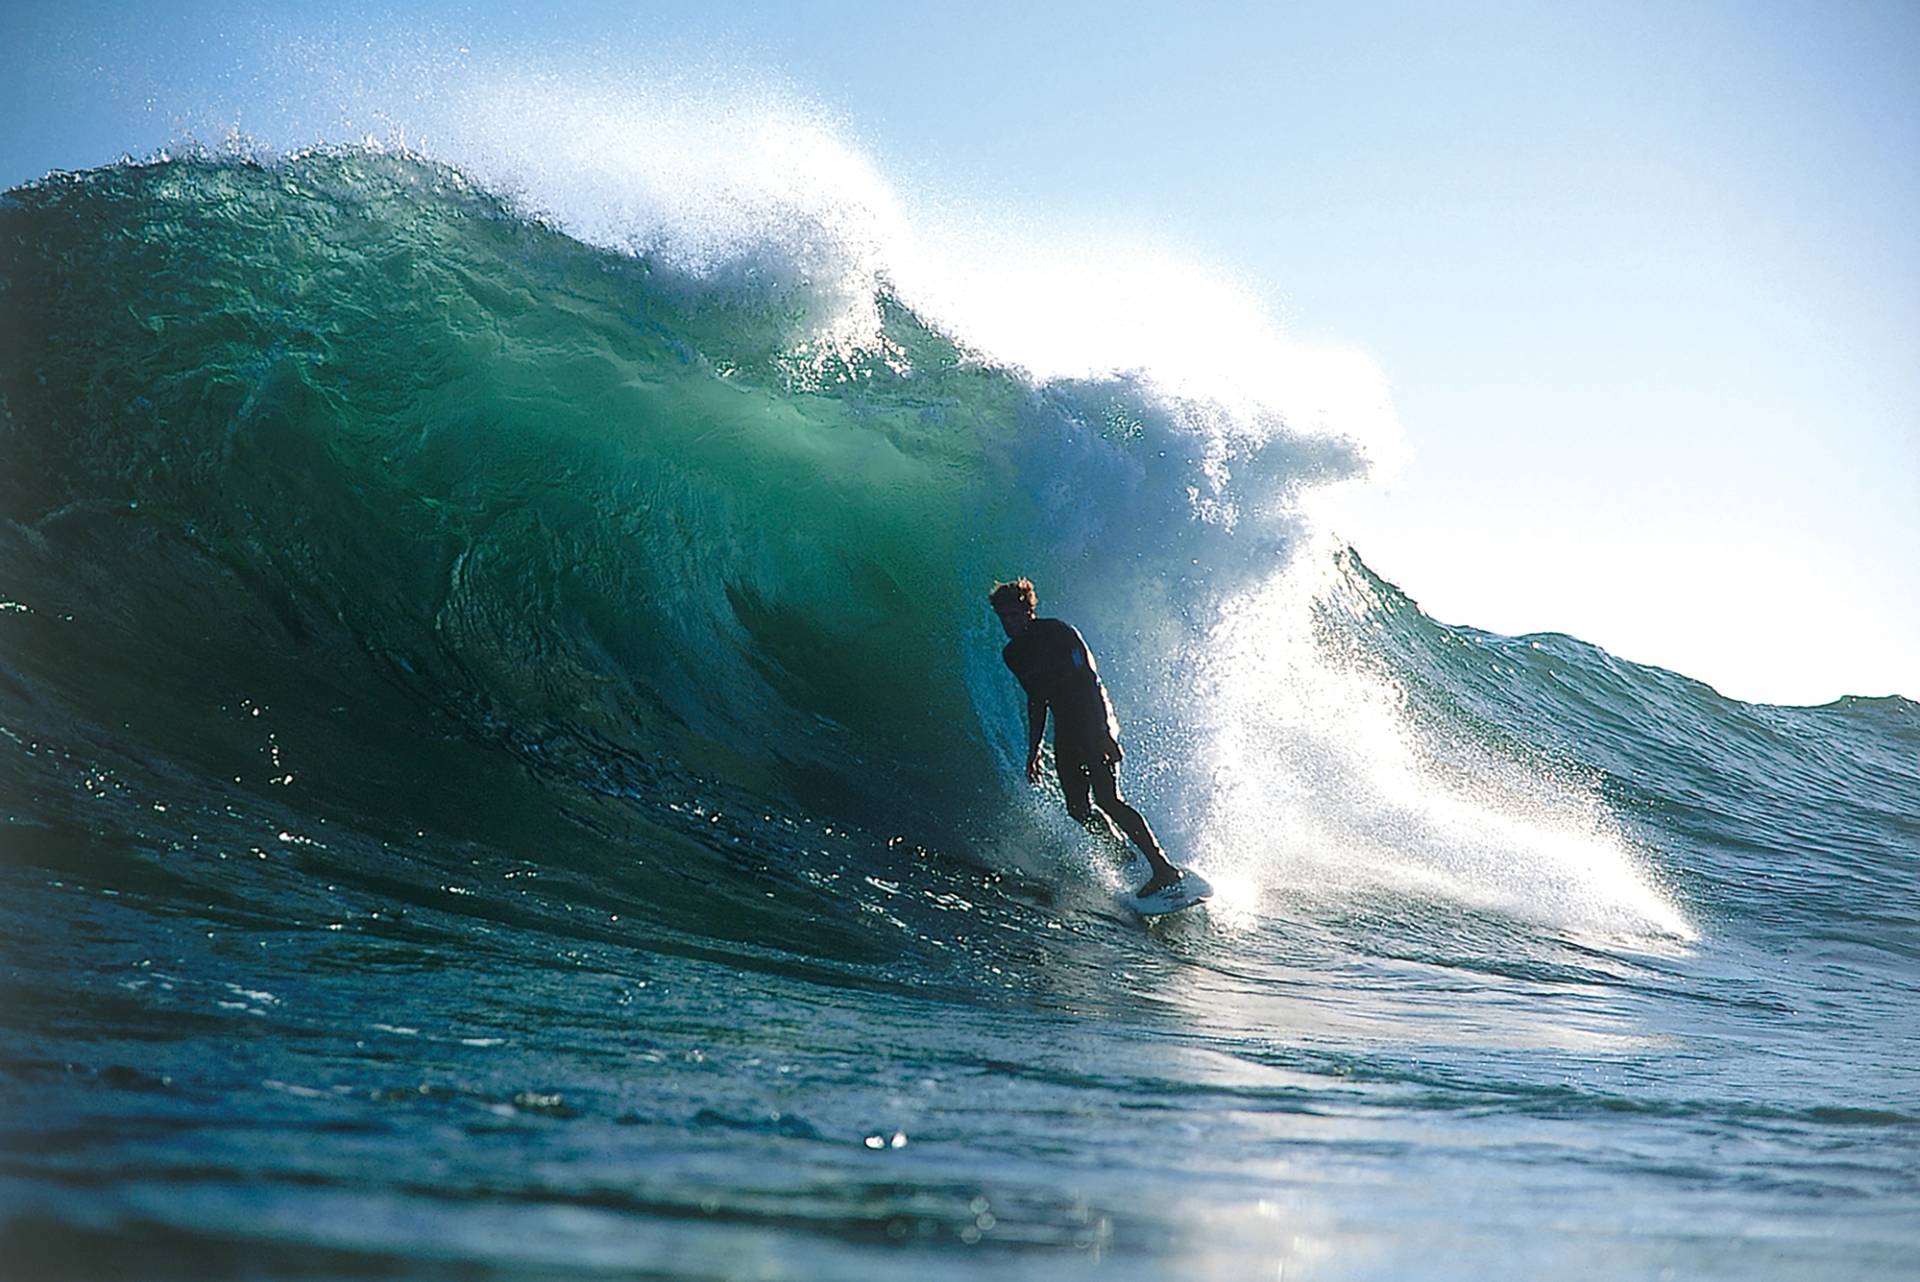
[1036, 728]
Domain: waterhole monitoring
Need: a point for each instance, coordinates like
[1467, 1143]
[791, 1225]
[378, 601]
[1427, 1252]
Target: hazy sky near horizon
[1643, 278]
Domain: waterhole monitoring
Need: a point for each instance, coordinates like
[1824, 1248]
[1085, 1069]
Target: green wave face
[346, 422]
[342, 477]
[389, 420]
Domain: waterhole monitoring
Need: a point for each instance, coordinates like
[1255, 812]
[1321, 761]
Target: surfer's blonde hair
[1016, 595]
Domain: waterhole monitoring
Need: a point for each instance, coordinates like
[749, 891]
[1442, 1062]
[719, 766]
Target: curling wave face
[343, 437]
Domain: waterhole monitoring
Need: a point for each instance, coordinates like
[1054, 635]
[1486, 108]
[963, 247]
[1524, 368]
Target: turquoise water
[507, 772]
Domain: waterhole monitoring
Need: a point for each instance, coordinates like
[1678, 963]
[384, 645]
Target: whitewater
[506, 770]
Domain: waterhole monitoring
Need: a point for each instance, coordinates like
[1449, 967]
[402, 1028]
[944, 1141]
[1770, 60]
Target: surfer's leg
[1076, 785]
[1106, 790]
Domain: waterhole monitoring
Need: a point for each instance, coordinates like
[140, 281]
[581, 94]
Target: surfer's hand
[1033, 766]
[1112, 751]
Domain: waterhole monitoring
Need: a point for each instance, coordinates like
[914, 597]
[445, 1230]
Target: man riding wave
[1056, 669]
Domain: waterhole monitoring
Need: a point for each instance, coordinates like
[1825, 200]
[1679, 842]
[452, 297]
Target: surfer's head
[1015, 603]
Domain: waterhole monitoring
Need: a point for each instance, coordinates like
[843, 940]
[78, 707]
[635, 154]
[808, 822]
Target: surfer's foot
[1169, 876]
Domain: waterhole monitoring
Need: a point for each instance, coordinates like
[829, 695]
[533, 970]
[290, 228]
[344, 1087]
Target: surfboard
[1191, 889]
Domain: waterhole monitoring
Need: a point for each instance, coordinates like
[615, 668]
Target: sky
[1642, 278]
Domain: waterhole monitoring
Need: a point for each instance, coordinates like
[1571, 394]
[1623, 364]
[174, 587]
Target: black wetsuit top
[1056, 668]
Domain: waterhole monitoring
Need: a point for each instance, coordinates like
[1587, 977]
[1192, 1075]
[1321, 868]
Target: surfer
[1056, 669]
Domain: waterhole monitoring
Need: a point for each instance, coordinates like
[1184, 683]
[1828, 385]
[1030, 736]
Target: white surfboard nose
[1191, 889]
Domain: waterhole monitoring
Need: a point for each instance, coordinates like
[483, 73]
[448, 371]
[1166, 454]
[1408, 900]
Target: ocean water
[505, 771]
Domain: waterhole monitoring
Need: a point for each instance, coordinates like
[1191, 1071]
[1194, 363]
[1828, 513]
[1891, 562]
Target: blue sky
[1643, 278]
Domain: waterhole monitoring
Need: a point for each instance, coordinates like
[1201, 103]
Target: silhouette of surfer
[1056, 669]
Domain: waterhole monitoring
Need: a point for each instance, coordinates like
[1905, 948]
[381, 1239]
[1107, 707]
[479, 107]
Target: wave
[340, 477]
[549, 491]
